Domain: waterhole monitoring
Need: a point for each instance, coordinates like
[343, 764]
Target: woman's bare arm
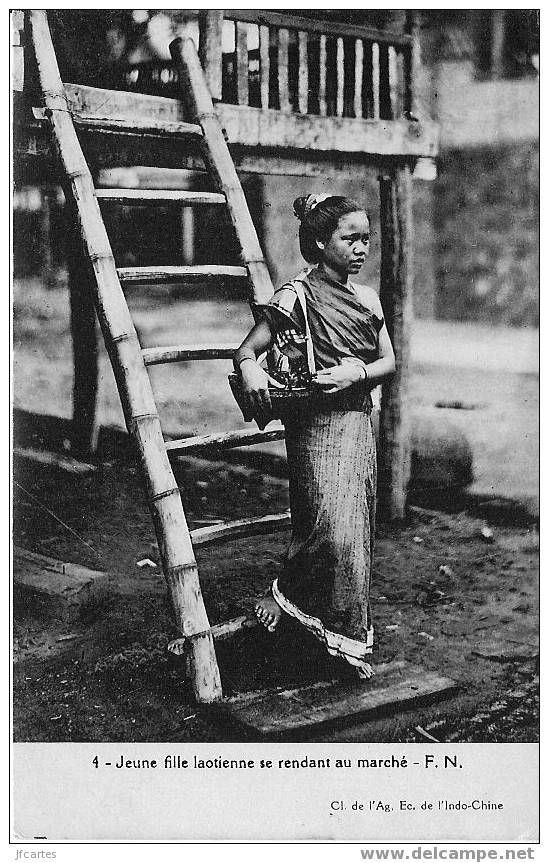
[384, 367]
[258, 340]
[255, 381]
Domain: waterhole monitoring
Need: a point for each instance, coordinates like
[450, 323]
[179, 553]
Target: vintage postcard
[275, 429]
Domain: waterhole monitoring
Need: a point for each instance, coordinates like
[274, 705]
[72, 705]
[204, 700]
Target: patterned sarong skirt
[325, 584]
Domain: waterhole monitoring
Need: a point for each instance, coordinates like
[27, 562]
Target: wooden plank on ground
[53, 459]
[53, 588]
[396, 686]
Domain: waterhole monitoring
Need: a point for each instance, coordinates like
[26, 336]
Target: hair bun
[300, 205]
[303, 206]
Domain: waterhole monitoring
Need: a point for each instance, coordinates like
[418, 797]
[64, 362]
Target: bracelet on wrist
[239, 362]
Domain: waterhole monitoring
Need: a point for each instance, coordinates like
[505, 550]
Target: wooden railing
[295, 64]
[302, 65]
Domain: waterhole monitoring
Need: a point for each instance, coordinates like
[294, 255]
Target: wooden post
[84, 342]
[396, 298]
[210, 50]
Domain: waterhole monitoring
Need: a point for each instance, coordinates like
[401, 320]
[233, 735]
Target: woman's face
[346, 250]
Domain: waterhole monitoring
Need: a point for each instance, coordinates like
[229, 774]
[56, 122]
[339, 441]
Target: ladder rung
[241, 528]
[138, 197]
[220, 632]
[138, 126]
[226, 440]
[148, 275]
[180, 353]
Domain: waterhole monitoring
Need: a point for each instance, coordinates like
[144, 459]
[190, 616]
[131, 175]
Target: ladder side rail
[221, 165]
[122, 343]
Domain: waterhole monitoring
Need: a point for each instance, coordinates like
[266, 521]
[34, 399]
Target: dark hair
[320, 222]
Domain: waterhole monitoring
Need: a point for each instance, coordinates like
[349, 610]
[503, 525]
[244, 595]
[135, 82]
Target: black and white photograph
[275, 435]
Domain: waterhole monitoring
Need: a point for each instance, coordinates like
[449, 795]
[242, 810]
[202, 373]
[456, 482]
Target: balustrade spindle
[242, 84]
[303, 74]
[322, 59]
[401, 85]
[283, 80]
[340, 76]
[362, 72]
[393, 81]
[264, 64]
[375, 80]
[359, 72]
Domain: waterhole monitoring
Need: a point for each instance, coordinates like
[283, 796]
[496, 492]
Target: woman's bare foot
[268, 612]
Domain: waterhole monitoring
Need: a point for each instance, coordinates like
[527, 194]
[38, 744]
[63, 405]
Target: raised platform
[396, 686]
[119, 128]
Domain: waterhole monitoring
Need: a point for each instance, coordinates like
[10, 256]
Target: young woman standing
[322, 318]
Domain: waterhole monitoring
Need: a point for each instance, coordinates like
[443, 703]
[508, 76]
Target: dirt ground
[107, 675]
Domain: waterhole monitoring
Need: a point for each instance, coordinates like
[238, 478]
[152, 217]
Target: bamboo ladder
[130, 362]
